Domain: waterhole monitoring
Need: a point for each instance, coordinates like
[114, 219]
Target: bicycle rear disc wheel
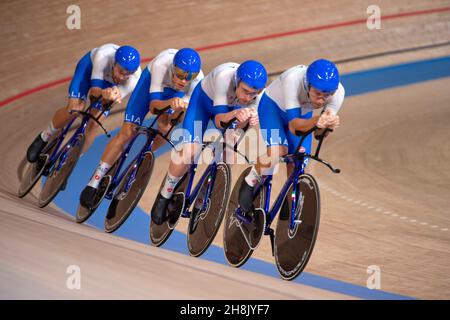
[34, 171]
[160, 233]
[293, 247]
[235, 245]
[125, 201]
[56, 178]
[204, 225]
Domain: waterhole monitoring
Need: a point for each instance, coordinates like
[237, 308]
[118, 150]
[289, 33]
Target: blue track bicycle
[58, 159]
[209, 198]
[298, 222]
[126, 187]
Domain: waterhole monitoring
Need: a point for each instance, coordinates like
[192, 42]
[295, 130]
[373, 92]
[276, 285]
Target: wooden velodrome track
[389, 207]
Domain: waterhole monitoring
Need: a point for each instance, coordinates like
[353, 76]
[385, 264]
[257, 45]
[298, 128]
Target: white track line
[381, 210]
[359, 202]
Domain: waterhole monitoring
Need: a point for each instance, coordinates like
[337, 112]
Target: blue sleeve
[294, 113]
[156, 96]
[179, 94]
[166, 95]
[99, 83]
[307, 115]
[221, 109]
[300, 116]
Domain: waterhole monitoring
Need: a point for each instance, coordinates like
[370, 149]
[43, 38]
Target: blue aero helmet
[186, 64]
[128, 58]
[323, 75]
[253, 74]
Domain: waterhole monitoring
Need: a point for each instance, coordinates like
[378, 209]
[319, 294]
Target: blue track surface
[137, 226]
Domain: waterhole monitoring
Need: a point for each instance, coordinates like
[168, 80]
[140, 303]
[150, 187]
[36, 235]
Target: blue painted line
[137, 226]
[361, 82]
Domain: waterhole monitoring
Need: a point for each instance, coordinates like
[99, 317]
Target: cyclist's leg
[137, 109]
[78, 90]
[294, 140]
[62, 116]
[194, 125]
[198, 114]
[110, 155]
[273, 130]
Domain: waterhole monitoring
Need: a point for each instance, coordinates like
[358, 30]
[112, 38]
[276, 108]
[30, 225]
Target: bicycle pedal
[109, 195]
[186, 214]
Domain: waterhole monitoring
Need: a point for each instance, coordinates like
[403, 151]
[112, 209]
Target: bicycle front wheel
[238, 241]
[160, 233]
[61, 171]
[294, 246]
[129, 192]
[34, 171]
[204, 224]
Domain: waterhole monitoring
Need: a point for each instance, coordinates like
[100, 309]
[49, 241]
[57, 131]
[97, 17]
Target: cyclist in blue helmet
[168, 80]
[229, 91]
[128, 58]
[110, 72]
[288, 105]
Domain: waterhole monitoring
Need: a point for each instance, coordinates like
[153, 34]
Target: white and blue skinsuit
[156, 83]
[216, 94]
[285, 99]
[95, 69]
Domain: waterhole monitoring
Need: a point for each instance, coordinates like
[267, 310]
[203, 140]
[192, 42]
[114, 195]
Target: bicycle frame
[150, 134]
[209, 173]
[299, 159]
[62, 152]
[292, 180]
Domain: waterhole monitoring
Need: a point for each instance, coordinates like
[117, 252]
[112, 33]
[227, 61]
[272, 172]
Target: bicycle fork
[210, 175]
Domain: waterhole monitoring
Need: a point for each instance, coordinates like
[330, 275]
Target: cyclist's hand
[112, 94]
[334, 122]
[243, 114]
[327, 119]
[177, 104]
[254, 119]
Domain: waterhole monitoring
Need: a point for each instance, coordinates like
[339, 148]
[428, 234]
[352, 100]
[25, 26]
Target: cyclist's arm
[96, 92]
[228, 116]
[160, 104]
[99, 63]
[335, 102]
[222, 114]
[95, 96]
[303, 124]
[129, 85]
[332, 106]
[158, 71]
[222, 111]
[193, 84]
